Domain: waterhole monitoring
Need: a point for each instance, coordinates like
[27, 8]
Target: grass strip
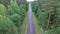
[23, 27]
[36, 24]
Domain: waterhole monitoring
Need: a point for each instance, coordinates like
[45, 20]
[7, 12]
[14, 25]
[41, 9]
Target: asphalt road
[30, 29]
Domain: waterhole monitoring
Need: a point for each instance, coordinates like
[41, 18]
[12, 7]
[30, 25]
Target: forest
[46, 16]
[47, 13]
[12, 14]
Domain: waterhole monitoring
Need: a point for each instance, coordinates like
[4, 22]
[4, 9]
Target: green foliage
[3, 10]
[45, 8]
[16, 19]
[43, 19]
[15, 11]
[13, 8]
[34, 7]
[50, 32]
[12, 19]
[22, 11]
[58, 30]
[21, 2]
[5, 2]
[7, 26]
[48, 14]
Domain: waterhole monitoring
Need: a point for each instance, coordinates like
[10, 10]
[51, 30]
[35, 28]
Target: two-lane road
[30, 29]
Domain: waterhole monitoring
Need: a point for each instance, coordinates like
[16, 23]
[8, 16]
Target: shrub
[58, 30]
[15, 11]
[7, 26]
[13, 8]
[3, 10]
[16, 19]
[22, 11]
[43, 19]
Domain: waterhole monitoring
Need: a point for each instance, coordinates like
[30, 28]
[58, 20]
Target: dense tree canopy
[3, 10]
[13, 8]
[48, 14]
[7, 26]
[12, 14]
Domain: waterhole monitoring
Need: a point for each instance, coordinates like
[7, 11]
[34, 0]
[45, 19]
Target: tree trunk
[48, 21]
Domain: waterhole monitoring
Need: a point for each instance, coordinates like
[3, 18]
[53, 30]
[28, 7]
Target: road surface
[30, 25]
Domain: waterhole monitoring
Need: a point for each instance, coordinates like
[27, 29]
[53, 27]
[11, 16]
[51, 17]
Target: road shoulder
[36, 24]
[23, 27]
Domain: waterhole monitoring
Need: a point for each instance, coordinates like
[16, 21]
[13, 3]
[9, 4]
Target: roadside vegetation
[36, 24]
[47, 13]
[24, 25]
[12, 16]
